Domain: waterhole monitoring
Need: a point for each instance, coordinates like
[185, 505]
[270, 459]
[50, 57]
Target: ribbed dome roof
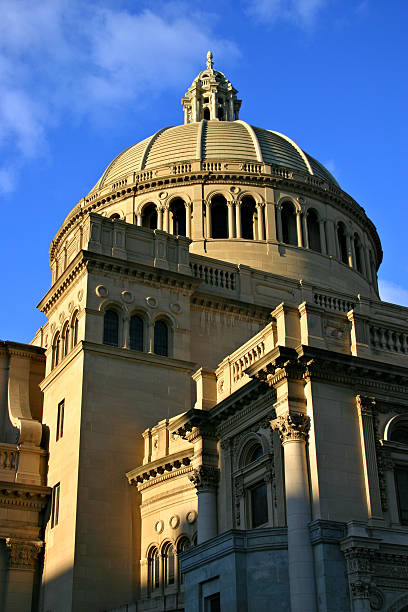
[213, 140]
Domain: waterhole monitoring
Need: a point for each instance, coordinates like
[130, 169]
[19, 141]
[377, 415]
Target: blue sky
[81, 80]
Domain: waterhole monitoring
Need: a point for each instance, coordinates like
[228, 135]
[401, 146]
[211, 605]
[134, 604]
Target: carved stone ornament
[366, 405]
[376, 599]
[101, 291]
[292, 427]
[205, 477]
[23, 554]
[360, 590]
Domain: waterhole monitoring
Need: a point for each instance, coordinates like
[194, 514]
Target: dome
[213, 140]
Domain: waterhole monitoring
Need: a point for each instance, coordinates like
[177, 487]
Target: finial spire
[210, 62]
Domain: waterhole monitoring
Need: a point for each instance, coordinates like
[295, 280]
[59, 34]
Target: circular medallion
[235, 189]
[163, 194]
[176, 308]
[159, 526]
[152, 302]
[191, 517]
[101, 291]
[127, 297]
[174, 521]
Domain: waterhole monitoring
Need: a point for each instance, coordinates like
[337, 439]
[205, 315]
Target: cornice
[21, 496]
[162, 478]
[17, 349]
[65, 280]
[205, 301]
[160, 466]
[280, 177]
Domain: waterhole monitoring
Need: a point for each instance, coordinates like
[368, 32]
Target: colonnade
[282, 222]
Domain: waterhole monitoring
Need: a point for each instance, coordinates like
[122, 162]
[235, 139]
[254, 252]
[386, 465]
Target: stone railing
[214, 275]
[211, 166]
[330, 302]
[248, 167]
[231, 372]
[8, 462]
[146, 175]
[387, 339]
[181, 168]
[121, 183]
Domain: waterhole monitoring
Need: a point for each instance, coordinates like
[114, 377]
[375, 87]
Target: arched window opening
[248, 218]
[342, 240]
[74, 327]
[154, 569]
[400, 434]
[359, 253]
[111, 328]
[115, 217]
[220, 113]
[259, 505]
[149, 216]
[206, 114]
[178, 216]
[313, 230]
[219, 217]
[252, 452]
[161, 338]
[289, 231]
[136, 333]
[65, 340]
[56, 350]
[169, 562]
[182, 546]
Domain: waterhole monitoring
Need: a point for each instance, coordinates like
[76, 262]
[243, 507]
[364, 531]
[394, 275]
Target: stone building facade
[215, 415]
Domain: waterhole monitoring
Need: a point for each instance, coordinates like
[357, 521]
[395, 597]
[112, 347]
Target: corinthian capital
[292, 426]
[365, 405]
[23, 554]
[205, 477]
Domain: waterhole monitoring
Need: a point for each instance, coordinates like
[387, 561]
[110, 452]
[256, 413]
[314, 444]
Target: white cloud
[392, 292]
[64, 59]
[300, 12]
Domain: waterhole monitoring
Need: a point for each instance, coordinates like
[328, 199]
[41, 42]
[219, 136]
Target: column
[279, 222]
[207, 220]
[213, 105]
[166, 219]
[160, 218]
[299, 228]
[230, 220]
[125, 339]
[349, 253]
[305, 230]
[260, 222]
[367, 263]
[150, 337]
[293, 429]
[366, 415]
[23, 557]
[139, 219]
[353, 252]
[205, 479]
[322, 237]
[270, 221]
[238, 225]
[188, 219]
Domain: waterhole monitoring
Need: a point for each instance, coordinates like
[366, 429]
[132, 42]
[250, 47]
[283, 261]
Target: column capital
[292, 427]
[205, 477]
[23, 554]
[366, 405]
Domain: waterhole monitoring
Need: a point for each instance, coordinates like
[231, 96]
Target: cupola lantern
[211, 96]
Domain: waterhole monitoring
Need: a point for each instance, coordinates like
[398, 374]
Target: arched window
[111, 328]
[400, 433]
[161, 338]
[149, 216]
[252, 452]
[136, 333]
[74, 329]
[248, 218]
[65, 339]
[182, 545]
[56, 350]
[313, 230]
[219, 217]
[206, 114]
[169, 565]
[178, 216]
[359, 253]
[289, 230]
[342, 240]
[115, 217]
[154, 569]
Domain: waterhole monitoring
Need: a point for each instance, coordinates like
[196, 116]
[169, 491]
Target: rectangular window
[212, 603]
[55, 502]
[259, 505]
[401, 483]
[60, 420]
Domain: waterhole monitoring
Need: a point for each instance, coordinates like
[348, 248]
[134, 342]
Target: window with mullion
[136, 333]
